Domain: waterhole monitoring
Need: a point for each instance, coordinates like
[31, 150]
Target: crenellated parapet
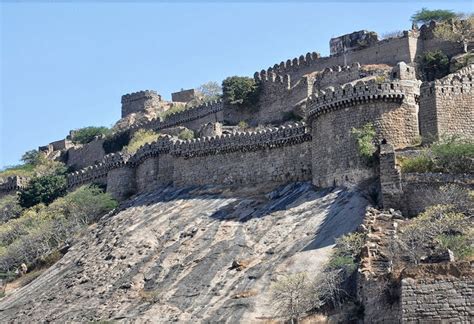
[161, 146]
[289, 134]
[335, 98]
[289, 66]
[97, 171]
[447, 106]
[140, 95]
[462, 79]
[12, 184]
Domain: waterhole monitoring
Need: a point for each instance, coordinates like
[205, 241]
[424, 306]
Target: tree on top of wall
[425, 15]
[241, 91]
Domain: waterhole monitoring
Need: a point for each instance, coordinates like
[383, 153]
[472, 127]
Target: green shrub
[454, 155]
[433, 65]
[87, 134]
[461, 245]
[365, 137]
[44, 189]
[116, 142]
[35, 236]
[243, 125]
[140, 138]
[421, 163]
[241, 91]
[186, 134]
[9, 208]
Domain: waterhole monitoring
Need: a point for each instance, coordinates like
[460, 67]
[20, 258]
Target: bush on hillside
[87, 134]
[140, 138]
[176, 108]
[241, 91]
[433, 65]
[9, 208]
[35, 236]
[43, 189]
[449, 155]
[454, 155]
[116, 142]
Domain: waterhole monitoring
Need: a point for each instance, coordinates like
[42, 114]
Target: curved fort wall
[335, 112]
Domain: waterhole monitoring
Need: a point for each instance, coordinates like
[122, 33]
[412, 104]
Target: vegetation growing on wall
[433, 65]
[241, 91]
[87, 134]
[451, 154]
[365, 139]
[186, 134]
[140, 138]
[41, 230]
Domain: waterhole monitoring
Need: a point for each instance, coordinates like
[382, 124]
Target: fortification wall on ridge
[271, 155]
[447, 106]
[335, 112]
[10, 185]
[85, 155]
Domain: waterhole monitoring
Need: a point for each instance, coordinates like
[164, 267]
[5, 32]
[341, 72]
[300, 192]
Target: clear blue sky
[66, 65]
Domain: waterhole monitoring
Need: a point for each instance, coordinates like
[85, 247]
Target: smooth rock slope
[206, 254]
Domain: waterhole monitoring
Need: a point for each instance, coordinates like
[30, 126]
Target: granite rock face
[201, 254]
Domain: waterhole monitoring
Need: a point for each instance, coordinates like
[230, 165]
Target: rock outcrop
[202, 254]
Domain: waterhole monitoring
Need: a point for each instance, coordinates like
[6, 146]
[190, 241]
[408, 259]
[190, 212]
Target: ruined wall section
[82, 156]
[279, 95]
[139, 102]
[192, 118]
[447, 106]
[10, 185]
[335, 112]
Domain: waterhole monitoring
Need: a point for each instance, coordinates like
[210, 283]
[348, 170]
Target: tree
[461, 31]
[87, 134]
[290, 296]
[210, 91]
[434, 65]
[44, 189]
[241, 91]
[31, 157]
[425, 15]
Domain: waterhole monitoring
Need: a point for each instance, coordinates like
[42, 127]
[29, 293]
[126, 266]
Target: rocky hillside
[196, 254]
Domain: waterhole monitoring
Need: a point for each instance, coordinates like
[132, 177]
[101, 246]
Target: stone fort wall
[332, 115]
[443, 300]
[273, 155]
[10, 185]
[446, 106]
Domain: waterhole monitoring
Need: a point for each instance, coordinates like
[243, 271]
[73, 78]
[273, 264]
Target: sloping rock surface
[207, 254]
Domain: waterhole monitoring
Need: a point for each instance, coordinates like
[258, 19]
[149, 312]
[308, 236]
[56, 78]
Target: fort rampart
[446, 106]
